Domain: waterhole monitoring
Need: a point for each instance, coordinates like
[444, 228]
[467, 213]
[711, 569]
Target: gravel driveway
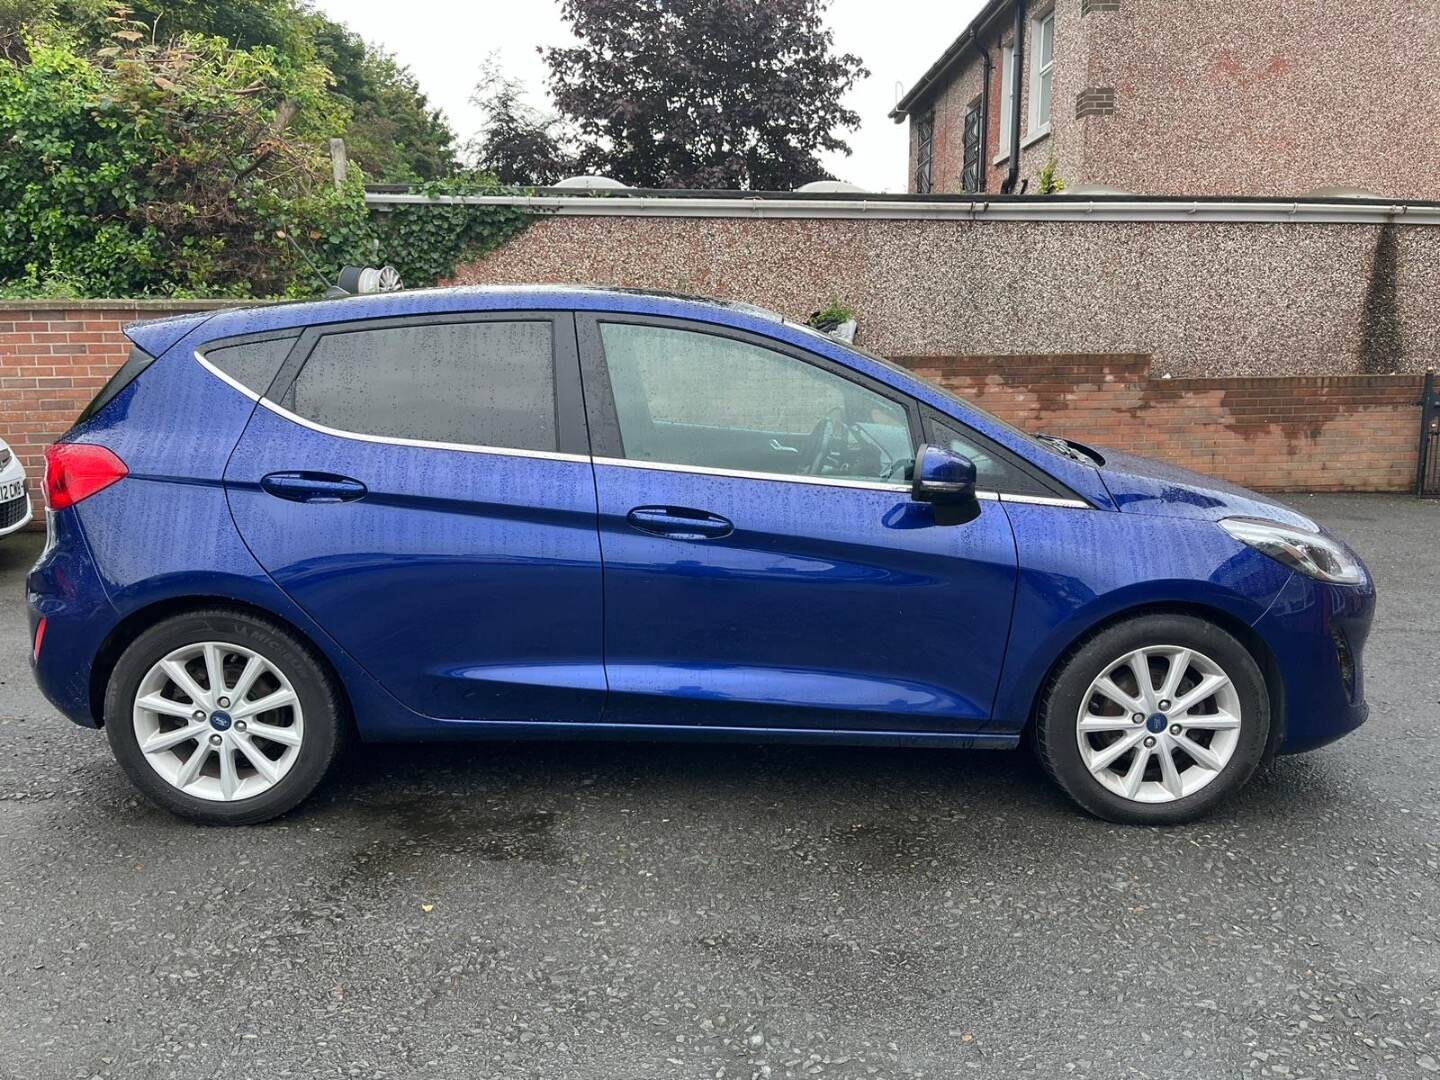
[628, 911]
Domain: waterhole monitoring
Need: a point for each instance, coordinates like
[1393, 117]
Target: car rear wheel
[1155, 720]
[222, 717]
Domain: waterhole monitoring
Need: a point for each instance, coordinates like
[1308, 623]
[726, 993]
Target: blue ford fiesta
[563, 512]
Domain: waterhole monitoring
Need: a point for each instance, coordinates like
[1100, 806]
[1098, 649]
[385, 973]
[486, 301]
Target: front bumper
[1316, 633]
[15, 512]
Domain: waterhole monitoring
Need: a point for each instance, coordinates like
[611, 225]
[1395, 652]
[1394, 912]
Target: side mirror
[943, 477]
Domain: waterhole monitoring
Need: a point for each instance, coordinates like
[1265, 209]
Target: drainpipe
[1016, 84]
[984, 108]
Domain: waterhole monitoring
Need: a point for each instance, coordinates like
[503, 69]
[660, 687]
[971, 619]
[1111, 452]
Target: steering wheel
[822, 441]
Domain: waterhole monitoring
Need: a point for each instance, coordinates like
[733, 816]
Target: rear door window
[488, 383]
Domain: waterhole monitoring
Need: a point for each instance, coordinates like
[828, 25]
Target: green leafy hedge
[194, 169]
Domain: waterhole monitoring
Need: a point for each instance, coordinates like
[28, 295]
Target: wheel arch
[1254, 644]
[152, 614]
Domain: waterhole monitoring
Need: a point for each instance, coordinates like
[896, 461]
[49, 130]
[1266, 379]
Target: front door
[764, 564]
[422, 488]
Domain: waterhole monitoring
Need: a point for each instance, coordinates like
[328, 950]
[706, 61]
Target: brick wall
[1319, 433]
[1297, 433]
[53, 358]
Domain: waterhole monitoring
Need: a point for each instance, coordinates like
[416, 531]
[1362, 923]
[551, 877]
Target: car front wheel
[222, 717]
[1155, 720]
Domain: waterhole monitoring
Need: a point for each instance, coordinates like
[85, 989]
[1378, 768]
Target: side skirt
[444, 730]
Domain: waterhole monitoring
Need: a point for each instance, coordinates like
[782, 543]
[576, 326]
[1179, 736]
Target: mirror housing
[943, 477]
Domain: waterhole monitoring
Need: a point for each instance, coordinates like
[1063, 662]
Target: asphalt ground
[634, 911]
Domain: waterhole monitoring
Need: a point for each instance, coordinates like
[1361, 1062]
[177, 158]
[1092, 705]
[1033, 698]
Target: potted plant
[837, 319]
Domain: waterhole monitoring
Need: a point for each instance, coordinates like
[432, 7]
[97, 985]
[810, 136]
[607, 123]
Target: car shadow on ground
[802, 781]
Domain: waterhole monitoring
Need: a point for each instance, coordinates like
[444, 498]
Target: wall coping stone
[51, 303]
[885, 207]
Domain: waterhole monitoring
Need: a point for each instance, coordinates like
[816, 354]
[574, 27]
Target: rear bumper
[1317, 634]
[65, 590]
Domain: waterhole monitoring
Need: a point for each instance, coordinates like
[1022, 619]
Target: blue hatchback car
[564, 512]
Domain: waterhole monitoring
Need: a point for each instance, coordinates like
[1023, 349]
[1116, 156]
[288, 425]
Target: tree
[517, 145]
[141, 166]
[392, 132]
[186, 168]
[704, 93]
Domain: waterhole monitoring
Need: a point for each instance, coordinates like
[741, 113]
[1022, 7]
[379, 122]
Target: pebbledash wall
[1278, 346]
[1274, 343]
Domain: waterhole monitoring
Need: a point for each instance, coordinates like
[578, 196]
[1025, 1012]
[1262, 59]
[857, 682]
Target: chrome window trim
[832, 481]
[387, 440]
[226, 379]
[624, 463]
[1046, 500]
[424, 444]
[746, 474]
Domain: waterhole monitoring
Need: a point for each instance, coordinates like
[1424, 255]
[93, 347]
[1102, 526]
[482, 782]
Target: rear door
[423, 489]
[765, 566]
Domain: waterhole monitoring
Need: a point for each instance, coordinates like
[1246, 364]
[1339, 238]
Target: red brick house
[1180, 97]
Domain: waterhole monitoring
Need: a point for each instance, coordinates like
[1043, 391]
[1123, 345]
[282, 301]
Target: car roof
[462, 298]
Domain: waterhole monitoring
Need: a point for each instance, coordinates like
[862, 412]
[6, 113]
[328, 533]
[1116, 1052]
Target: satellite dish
[829, 187]
[592, 183]
[1095, 189]
[1340, 193]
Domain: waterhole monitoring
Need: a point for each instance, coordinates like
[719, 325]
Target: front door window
[689, 398]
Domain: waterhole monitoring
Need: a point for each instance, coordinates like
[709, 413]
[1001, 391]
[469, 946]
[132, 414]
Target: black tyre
[222, 717]
[1163, 753]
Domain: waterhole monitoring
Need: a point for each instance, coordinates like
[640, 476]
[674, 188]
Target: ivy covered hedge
[426, 242]
[196, 169]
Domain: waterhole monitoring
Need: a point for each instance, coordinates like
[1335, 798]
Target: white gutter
[886, 208]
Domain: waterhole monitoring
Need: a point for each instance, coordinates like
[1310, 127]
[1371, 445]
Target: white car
[15, 512]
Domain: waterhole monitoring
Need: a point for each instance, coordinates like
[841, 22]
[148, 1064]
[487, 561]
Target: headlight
[1311, 553]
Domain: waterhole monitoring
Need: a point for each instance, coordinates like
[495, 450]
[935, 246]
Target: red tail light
[75, 471]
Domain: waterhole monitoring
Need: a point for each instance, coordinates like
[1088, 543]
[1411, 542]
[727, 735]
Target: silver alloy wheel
[218, 721]
[1159, 724]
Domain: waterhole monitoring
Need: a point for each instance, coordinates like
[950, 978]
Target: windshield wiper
[1062, 447]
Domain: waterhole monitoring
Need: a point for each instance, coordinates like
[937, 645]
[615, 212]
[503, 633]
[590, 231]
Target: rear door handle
[679, 522]
[313, 487]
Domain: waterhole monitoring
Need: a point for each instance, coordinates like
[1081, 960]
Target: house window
[972, 179]
[1042, 76]
[1007, 101]
[925, 153]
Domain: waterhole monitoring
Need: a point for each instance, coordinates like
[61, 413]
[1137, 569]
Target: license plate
[12, 489]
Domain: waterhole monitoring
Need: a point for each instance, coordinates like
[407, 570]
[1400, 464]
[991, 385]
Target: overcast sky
[445, 41]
